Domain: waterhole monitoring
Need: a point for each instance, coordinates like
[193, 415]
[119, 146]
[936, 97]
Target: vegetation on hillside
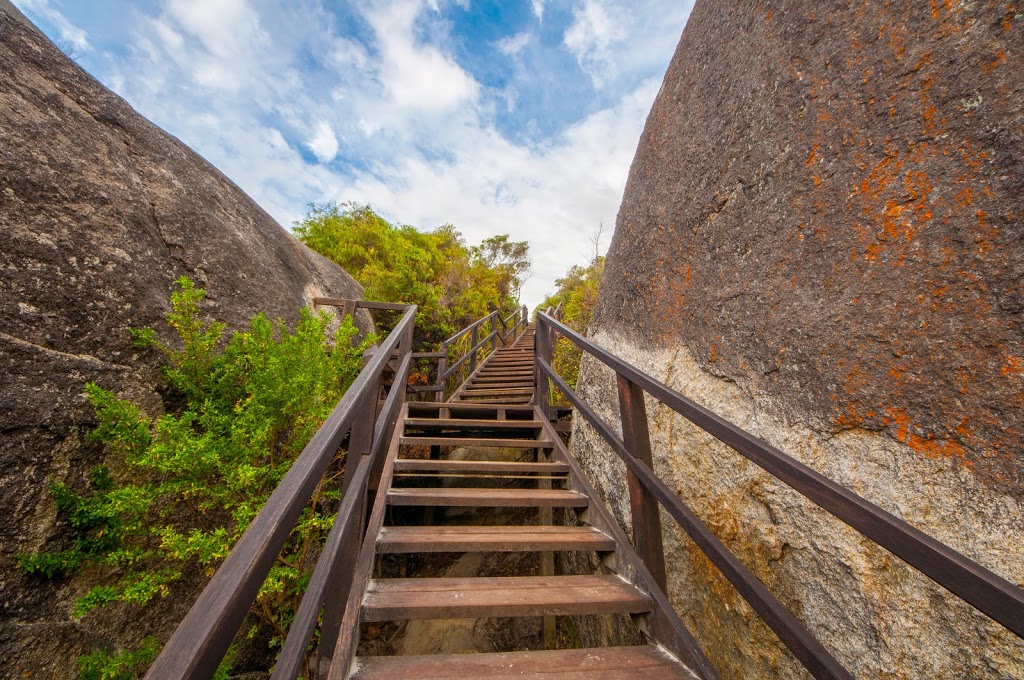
[453, 283]
[188, 483]
[577, 294]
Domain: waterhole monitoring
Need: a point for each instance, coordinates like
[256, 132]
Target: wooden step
[484, 597]
[414, 539]
[489, 498]
[476, 442]
[487, 390]
[500, 381]
[498, 398]
[645, 662]
[419, 407]
[442, 466]
[496, 368]
[472, 424]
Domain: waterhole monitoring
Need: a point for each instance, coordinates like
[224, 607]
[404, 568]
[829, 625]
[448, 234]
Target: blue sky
[498, 116]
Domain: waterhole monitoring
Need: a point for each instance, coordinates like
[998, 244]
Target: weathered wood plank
[413, 539]
[494, 498]
[476, 442]
[607, 663]
[483, 597]
[472, 424]
[418, 465]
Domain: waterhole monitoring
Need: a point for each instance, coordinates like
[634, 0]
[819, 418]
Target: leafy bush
[577, 293]
[453, 285]
[195, 479]
[121, 665]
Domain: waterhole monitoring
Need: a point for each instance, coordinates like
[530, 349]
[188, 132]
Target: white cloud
[514, 44]
[554, 196]
[251, 84]
[538, 9]
[72, 38]
[323, 143]
[416, 76]
[597, 26]
[226, 28]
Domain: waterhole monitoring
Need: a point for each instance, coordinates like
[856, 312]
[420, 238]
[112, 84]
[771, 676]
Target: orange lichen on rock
[999, 60]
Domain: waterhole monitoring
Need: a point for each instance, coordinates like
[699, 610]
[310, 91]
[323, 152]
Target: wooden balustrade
[989, 593]
[200, 641]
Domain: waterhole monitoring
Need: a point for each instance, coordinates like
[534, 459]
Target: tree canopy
[577, 293]
[452, 283]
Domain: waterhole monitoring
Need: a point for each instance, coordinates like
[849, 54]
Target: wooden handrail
[989, 593]
[326, 572]
[202, 638]
[447, 367]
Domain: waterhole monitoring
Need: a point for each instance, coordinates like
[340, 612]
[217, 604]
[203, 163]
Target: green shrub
[194, 479]
[577, 293]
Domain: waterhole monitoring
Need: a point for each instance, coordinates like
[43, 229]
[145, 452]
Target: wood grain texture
[494, 498]
[482, 597]
[413, 539]
[609, 663]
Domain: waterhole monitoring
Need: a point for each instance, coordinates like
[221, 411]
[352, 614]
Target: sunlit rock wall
[822, 239]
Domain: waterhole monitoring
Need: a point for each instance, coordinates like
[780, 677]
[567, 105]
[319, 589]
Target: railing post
[643, 506]
[442, 367]
[543, 351]
[472, 349]
[360, 443]
[494, 330]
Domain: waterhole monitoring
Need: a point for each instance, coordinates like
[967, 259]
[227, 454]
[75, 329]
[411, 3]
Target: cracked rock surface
[100, 211]
[822, 239]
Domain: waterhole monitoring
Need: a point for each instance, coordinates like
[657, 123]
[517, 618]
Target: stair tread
[477, 442]
[490, 389]
[467, 423]
[415, 465]
[484, 497]
[406, 539]
[500, 596]
[596, 663]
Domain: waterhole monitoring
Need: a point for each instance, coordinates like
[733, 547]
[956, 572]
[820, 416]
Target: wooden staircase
[491, 412]
[411, 468]
[505, 377]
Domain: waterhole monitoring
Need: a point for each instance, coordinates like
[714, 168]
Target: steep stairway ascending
[504, 377]
[531, 483]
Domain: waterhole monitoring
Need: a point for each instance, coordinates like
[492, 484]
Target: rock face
[822, 239]
[100, 211]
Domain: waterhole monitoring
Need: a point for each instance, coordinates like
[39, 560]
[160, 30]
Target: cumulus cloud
[323, 143]
[597, 27]
[416, 75]
[72, 38]
[251, 85]
[514, 44]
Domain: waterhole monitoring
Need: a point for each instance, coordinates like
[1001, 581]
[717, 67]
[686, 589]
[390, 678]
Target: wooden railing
[203, 637]
[460, 354]
[996, 597]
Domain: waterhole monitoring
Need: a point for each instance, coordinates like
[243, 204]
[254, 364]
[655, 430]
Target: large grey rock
[100, 211]
[822, 238]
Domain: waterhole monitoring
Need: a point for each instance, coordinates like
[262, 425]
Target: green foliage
[128, 664]
[196, 478]
[120, 665]
[453, 284]
[577, 293]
